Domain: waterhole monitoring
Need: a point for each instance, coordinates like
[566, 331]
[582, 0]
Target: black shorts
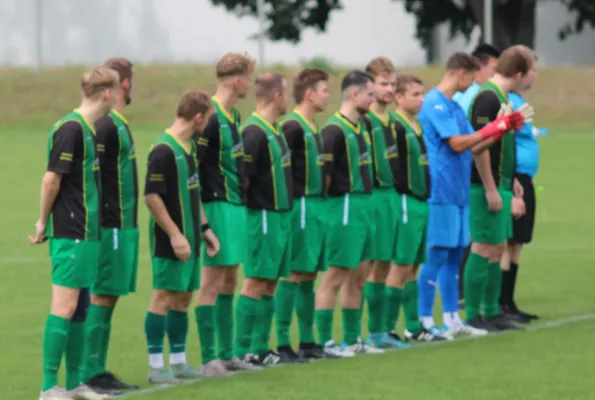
[522, 228]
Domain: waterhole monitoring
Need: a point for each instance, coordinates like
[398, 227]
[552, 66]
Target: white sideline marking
[546, 325]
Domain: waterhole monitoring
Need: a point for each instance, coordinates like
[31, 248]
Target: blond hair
[514, 60]
[234, 64]
[97, 79]
[380, 66]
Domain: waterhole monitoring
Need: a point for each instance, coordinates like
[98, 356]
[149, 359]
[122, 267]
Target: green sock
[324, 324]
[155, 332]
[284, 300]
[351, 320]
[55, 338]
[224, 325]
[392, 307]
[374, 292]
[205, 320]
[246, 314]
[475, 280]
[492, 292]
[107, 328]
[94, 332]
[304, 308]
[177, 331]
[262, 328]
[74, 355]
[411, 307]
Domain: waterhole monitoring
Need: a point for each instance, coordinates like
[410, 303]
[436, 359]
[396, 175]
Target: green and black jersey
[172, 173]
[119, 176]
[413, 177]
[221, 157]
[307, 155]
[483, 110]
[268, 166]
[347, 155]
[72, 154]
[384, 149]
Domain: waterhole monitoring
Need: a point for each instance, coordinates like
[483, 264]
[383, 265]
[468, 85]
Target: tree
[514, 20]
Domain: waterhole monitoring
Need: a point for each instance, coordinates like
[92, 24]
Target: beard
[362, 110]
[127, 99]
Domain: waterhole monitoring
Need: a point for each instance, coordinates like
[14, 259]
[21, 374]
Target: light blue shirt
[527, 148]
[464, 99]
[450, 172]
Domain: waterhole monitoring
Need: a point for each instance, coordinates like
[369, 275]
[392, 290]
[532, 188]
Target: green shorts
[308, 235]
[74, 262]
[228, 222]
[175, 275]
[350, 232]
[386, 210]
[487, 226]
[118, 262]
[412, 231]
[268, 253]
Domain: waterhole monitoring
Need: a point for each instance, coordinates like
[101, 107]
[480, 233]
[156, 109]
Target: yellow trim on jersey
[187, 149]
[310, 124]
[86, 121]
[120, 116]
[267, 123]
[230, 117]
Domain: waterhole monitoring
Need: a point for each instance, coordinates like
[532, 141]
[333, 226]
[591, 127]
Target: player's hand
[502, 125]
[40, 236]
[518, 189]
[212, 242]
[527, 111]
[181, 247]
[518, 207]
[494, 200]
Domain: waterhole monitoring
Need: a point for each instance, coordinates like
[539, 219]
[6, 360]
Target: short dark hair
[464, 61]
[122, 66]
[484, 52]
[193, 103]
[355, 77]
[516, 59]
[403, 82]
[267, 85]
[307, 79]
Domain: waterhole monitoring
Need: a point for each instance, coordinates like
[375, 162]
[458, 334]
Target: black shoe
[395, 335]
[270, 358]
[513, 315]
[311, 351]
[480, 323]
[288, 356]
[253, 359]
[103, 385]
[117, 383]
[523, 314]
[502, 323]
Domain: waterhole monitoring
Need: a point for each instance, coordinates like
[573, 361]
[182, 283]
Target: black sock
[514, 269]
[462, 274]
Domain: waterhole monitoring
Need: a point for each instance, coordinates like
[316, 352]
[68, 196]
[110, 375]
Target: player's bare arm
[178, 241]
[208, 235]
[50, 186]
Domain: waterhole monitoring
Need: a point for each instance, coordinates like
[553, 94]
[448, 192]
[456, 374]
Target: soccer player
[413, 186]
[117, 271]
[70, 217]
[380, 125]
[221, 169]
[269, 220]
[449, 138]
[527, 163]
[177, 223]
[349, 240]
[494, 192]
[311, 95]
[487, 57]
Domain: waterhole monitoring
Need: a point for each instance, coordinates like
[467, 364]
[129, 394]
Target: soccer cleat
[311, 351]
[332, 350]
[375, 340]
[235, 364]
[108, 383]
[288, 356]
[270, 358]
[360, 347]
[162, 375]
[253, 359]
[213, 369]
[393, 340]
[84, 392]
[516, 315]
[425, 335]
[184, 371]
[117, 382]
[462, 329]
[502, 323]
[480, 323]
[55, 393]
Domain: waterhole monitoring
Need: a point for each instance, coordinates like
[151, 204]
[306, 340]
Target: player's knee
[230, 283]
[104, 301]
[482, 249]
[497, 252]
[295, 277]
[309, 277]
[161, 301]
[253, 287]
[82, 306]
[379, 272]
[181, 301]
[64, 301]
[269, 288]
[333, 279]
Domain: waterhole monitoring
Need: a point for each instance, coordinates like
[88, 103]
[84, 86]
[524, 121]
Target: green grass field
[553, 361]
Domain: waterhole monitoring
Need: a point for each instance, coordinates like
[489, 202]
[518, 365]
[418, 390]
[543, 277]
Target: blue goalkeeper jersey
[450, 172]
[527, 148]
[466, 98]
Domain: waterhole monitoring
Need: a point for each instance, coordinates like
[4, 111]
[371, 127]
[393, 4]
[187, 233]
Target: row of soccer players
[290, 239]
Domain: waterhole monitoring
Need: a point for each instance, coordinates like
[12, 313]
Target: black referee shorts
[522, 228]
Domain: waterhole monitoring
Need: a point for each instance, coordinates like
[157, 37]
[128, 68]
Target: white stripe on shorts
[265, 227]
[404, 207]
[116, 239]
[346, 210]
[303, 212]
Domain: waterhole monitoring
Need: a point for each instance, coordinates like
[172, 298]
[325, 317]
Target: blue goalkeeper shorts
[448, 226]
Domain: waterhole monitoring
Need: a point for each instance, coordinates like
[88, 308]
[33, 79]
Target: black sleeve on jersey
[208, 137]
[255, 149]
[334, 147]
[367, 123]
[66, 148]
[293, 132]
[161, 168]
[402, 156]
[106, 138]
[484, 109]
